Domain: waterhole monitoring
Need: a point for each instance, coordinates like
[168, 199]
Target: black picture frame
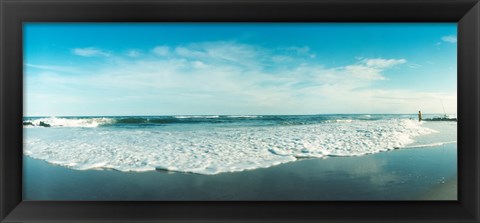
[466, 13]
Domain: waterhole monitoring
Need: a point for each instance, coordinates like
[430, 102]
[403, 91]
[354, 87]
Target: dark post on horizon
[419, 116]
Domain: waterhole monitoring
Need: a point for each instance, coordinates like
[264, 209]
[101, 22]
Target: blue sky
[238, 68]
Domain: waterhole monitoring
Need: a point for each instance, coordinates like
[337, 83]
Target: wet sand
[444, 191]
[405, 174]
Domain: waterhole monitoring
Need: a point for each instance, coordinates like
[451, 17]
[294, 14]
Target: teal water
[219, 120]
[219, 144]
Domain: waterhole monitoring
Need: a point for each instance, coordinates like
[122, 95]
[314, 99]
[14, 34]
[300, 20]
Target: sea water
[212, 144]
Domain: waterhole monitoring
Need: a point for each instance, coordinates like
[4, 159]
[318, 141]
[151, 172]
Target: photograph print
[239, 111]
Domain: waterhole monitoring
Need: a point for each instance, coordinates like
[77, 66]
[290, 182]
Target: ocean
[213, 144]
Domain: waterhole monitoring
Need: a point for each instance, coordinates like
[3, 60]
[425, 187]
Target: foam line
[215, 150]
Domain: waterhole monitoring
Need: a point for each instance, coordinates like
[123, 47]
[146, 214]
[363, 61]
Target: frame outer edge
[2, 147]
[477, 214]
[3, 212]
[10, 15]
[476, 13]
[472, 20]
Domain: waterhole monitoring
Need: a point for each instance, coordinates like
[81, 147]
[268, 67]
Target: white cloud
[89, 52]
[133, 53]
[414, 65]
[161, 50]
[450, 39]
[282, 59]
[186, 52]
[383, 63]
[370, 69]
[234, 78]
[68, 69]
[363, 72]
[301, 51]
[222, 52]
[199, 64]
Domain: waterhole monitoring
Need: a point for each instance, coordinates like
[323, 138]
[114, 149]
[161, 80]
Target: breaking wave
[212, 150]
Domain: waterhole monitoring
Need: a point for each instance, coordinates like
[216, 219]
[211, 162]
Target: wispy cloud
[450, 39]
[133, 53]
[304, 51]
[89, 52]
[371, 68]
[68, 69]
[414, 65]
[161, 50]
[222, 52]
[381, 63]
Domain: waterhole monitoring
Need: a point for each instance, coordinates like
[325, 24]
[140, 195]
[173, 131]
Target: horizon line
[237, 115]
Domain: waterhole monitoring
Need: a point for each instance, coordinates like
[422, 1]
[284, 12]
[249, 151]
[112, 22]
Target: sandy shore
[405, 174]
[445, 191]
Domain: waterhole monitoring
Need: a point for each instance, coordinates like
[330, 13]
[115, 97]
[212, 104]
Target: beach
[406, 174]
[241, 158]
[231, 112]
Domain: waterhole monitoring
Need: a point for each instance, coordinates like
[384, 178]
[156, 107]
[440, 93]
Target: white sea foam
[70, 122]
[244, 116]
[197, 116]
[215, 150]
[343, 120]
[430, 144]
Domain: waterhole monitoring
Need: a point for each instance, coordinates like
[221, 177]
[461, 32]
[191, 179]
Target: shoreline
[379, 176]
[298, 158]
[209, 152]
